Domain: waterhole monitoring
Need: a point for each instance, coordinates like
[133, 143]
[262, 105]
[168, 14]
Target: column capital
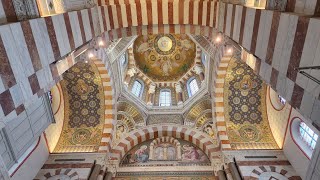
[152, 88]
[178, 87]
[131, 72]
[198, 69]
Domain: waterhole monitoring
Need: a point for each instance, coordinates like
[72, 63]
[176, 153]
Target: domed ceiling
[164, 57]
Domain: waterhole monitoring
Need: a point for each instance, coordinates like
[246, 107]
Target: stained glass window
[137, 88]
[308, 136]
[165, 98]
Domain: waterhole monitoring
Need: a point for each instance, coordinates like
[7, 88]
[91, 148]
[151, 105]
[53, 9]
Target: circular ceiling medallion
[81, 136]
[249, 133]
[164, 57]
[165, 44]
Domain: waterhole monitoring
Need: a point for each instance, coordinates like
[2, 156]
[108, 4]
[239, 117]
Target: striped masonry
[108, 97]
[218, 101]
[110, 100]
[29, 51]
[307, 7]
[281, 42]
[7, 12]
[200, 139]
[128, 14]
[285, 169]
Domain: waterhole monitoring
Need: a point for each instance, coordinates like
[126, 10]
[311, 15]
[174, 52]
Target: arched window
[165, 97]
[282, 100]
[137, 88]
[192, 86]
[308, 136]
[304, 137]
[123, 59]
[203, 59]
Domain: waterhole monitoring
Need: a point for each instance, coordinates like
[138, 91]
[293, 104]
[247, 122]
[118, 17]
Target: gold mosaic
[84, 110]
[245, 109]
[164, 57]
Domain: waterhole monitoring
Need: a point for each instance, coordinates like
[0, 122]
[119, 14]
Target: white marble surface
[237, 23]
[248, 28]
[263, 34]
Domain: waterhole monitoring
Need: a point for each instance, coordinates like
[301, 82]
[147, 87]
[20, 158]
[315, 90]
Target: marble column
[130, 73]
[199, 71]
[221, 175]
[108, 176]
[95, 172]
[179, 94]
[234, 171]
[165, 153]
[4, 175]
[179, 152]
[228, 172]
[102, 173]
[151, 91]
[151, 151]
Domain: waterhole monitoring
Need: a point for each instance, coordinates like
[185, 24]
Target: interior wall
[278, 117]
[33, 163]
[262, 164]
[297, 158]
[54, 130]
[78, 166]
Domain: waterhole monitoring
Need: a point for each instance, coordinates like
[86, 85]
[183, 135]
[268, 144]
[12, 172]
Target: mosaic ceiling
[164, 57]
[84, 109]
[245, 107]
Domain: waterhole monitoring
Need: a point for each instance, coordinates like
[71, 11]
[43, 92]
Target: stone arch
[287, 81]
[132, 110]
[219, 102]
[167, 139]
[269, 170]
[109, 106]
[200, 139]
[62, 173]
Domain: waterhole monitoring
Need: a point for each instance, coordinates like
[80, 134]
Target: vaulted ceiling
[164, 57]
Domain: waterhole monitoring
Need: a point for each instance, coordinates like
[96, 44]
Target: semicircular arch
[198, 138]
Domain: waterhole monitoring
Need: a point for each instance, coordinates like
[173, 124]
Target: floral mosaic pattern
[247, 123]
[84, 109]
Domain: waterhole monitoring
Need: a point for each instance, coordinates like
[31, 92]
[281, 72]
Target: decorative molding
[26, 9]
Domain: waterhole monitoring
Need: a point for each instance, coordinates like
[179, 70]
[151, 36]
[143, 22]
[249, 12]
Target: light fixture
[101, 43]
[218, 39]
[229, 50]
[90, 55]
[86, 61]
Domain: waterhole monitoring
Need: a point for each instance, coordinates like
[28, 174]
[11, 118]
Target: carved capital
[131, 72]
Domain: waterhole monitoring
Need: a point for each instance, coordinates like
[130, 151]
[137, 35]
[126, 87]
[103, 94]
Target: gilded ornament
[164, 57]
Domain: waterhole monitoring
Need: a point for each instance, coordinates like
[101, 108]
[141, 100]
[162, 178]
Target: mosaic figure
[190, 153]
[142, 154]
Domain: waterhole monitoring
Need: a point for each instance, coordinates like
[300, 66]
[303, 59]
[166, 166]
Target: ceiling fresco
[84, 109]
[164, 57]
[246, 116]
